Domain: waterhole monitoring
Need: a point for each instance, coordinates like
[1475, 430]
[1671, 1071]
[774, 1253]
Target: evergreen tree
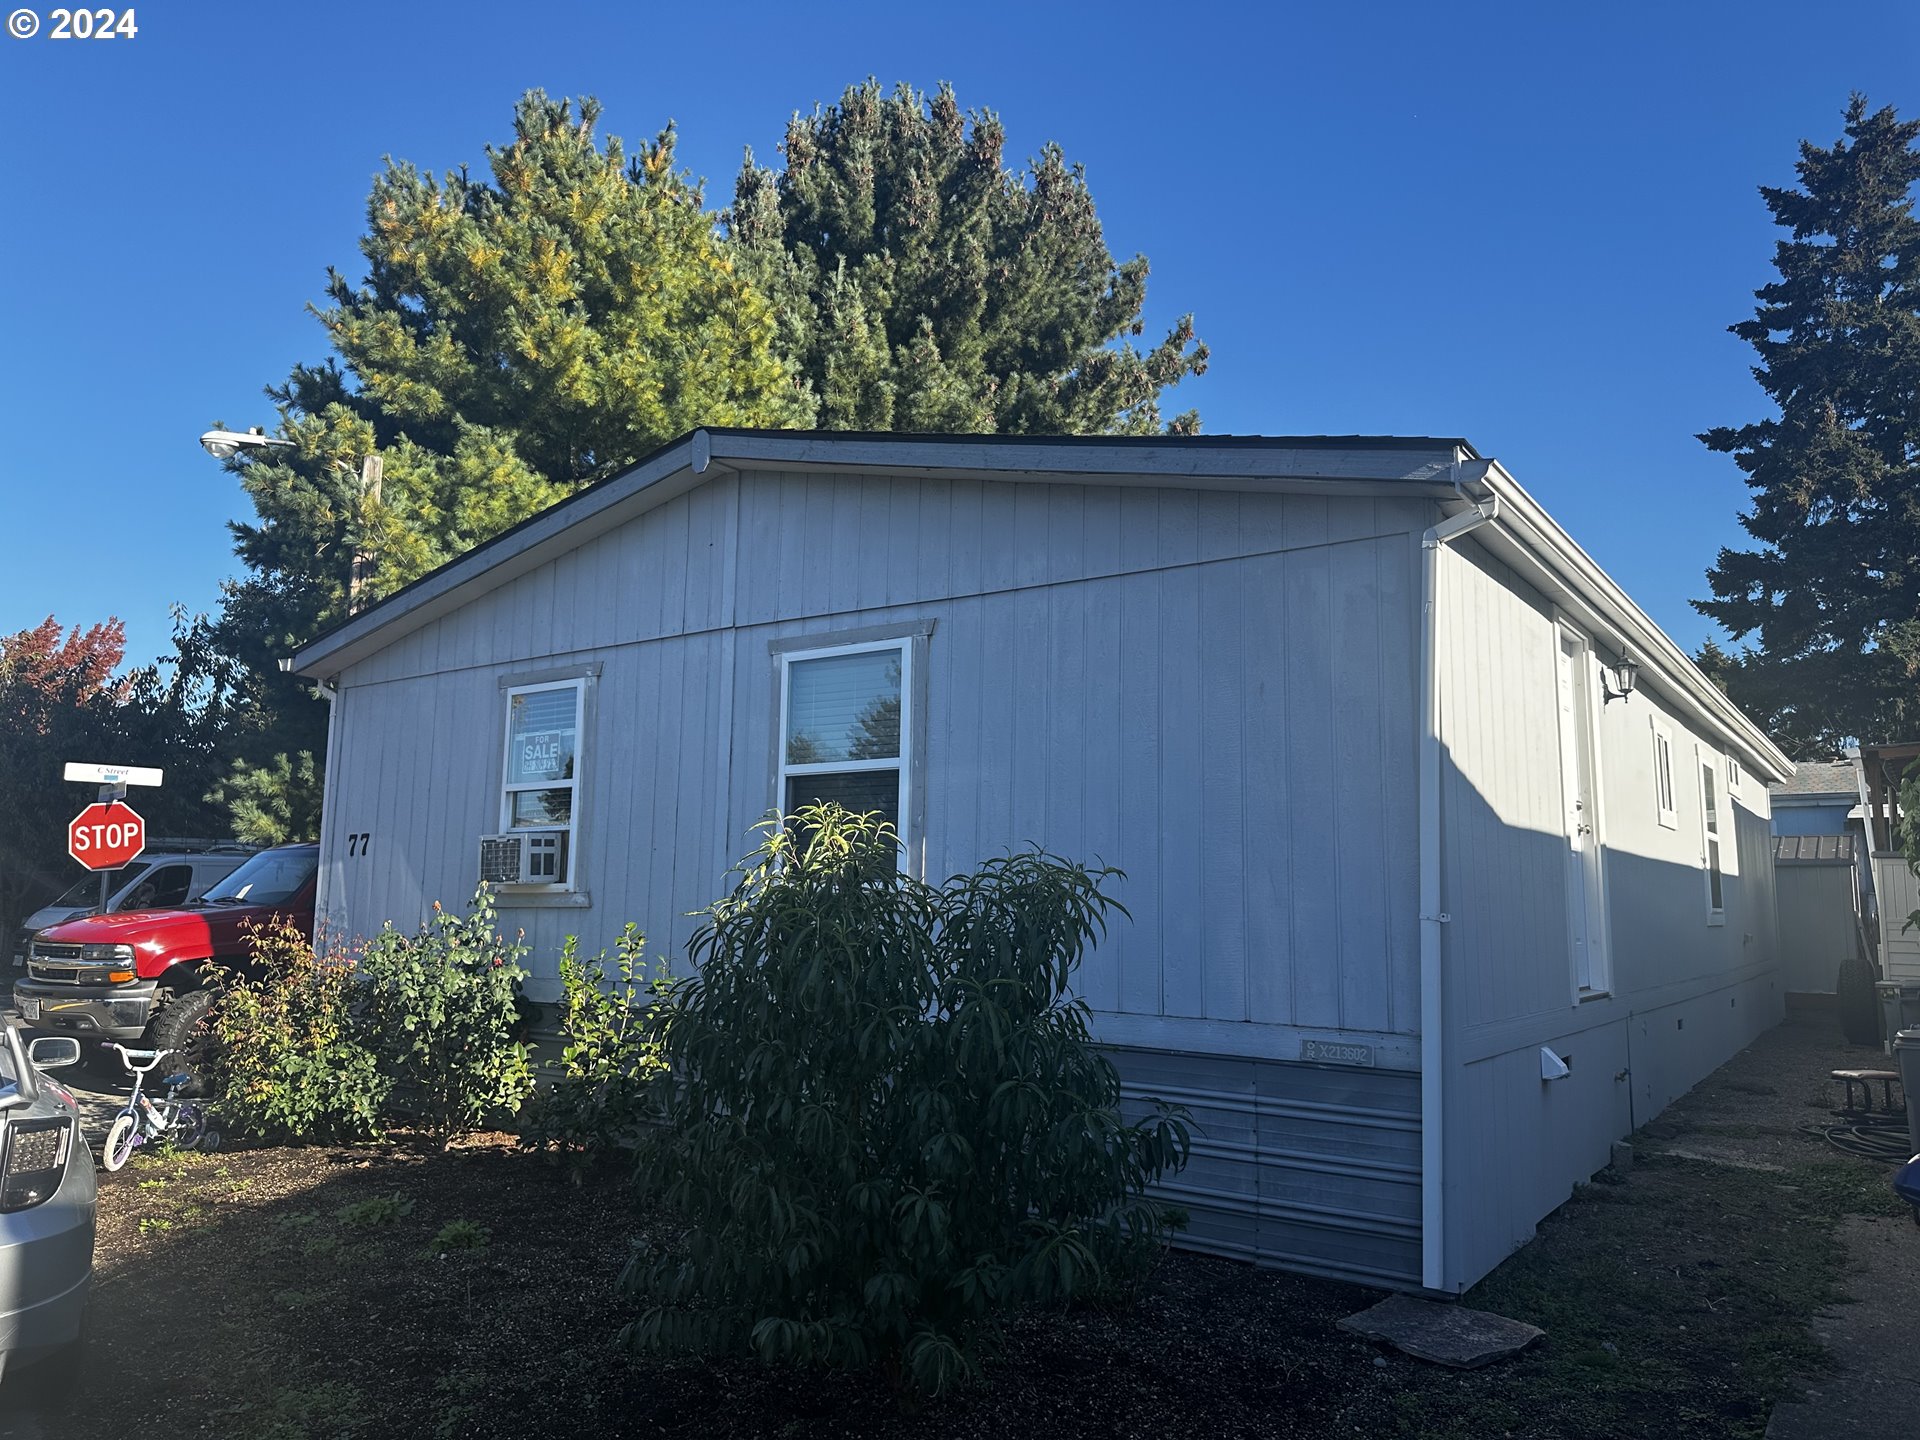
[1832, 592]
[922, 286]
[516, 338]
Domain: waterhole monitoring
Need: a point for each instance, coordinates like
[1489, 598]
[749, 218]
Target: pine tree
[922, 286]
[516, 338]
[1832, 592]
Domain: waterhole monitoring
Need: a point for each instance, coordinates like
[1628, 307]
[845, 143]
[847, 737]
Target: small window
[542, 762]
[1710, 844]
[844, 729]
[1663, 775]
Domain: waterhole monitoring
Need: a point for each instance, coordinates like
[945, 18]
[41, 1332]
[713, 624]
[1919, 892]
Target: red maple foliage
[46, 669]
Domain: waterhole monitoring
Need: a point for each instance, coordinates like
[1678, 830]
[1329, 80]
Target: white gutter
[329, 690]
[1432, 917]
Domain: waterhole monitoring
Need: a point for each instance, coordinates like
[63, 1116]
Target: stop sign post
[106, 836]
[108, 833]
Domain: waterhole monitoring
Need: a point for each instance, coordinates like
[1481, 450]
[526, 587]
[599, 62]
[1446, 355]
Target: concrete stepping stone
[1443, 1333]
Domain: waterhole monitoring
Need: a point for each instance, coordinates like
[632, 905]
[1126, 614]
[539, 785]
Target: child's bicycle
[181, 1122]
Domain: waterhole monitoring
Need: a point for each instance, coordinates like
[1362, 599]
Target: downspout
[327, 689]
[1432, 917]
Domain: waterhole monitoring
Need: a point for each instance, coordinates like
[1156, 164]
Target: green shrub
[459, 1235]
[886, 1127]
[290, 1063]
[442, 1013]
[610, 1059]
[376, 1210]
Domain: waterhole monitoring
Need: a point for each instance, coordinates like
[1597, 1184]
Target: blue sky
[1528, 225]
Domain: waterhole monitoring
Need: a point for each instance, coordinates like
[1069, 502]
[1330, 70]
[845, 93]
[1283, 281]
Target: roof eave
[1604, 606]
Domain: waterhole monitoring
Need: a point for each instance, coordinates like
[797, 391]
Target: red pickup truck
[143, 975]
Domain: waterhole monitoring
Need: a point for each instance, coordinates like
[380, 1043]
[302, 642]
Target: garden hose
[1875, 1137]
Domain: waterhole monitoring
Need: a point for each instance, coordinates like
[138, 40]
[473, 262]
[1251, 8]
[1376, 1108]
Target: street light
[225, 444]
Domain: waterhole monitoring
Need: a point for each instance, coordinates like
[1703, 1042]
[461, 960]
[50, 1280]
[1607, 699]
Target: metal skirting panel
[1314, 1168]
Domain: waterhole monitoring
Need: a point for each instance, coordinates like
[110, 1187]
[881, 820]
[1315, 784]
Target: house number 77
[357, 844]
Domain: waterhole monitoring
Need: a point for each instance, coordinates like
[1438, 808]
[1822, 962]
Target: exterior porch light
[1618, 679]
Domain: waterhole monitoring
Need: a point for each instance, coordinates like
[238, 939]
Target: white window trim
[508, 789]
[1665, 797]
[904, 646]
[1705, 772]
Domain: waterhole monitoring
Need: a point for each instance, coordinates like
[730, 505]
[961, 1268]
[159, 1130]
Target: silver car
[167, 875]
[46, 1201]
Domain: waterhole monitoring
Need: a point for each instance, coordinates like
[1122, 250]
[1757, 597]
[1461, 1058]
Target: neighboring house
[1335, 705]
[1821, 797]
[1825, 884]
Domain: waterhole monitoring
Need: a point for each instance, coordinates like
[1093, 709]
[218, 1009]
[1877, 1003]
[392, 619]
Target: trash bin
[1899, 1007]
[1906, 1055]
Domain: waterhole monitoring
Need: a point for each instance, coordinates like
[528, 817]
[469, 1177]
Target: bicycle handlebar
[127, 1057]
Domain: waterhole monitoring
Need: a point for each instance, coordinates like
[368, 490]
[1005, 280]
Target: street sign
[111, 774]
[105, 837]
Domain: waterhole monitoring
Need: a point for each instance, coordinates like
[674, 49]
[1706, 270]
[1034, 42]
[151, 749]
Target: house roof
[1813, 849]
[1446, 470]
[1822, 778]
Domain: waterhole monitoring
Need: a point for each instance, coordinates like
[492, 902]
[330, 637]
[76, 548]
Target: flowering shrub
[290, 1061]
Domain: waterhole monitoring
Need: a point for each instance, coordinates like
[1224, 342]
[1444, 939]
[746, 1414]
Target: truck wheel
[183, 1027]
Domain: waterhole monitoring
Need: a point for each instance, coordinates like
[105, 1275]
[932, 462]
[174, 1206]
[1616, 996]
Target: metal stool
[1866, 1079]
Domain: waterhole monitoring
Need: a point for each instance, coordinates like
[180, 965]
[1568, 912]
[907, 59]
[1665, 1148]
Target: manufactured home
[1446, 867]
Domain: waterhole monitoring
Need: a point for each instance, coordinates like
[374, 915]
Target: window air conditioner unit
[524, 857]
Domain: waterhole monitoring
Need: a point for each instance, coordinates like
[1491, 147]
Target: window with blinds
[542, 759]
[843, 735]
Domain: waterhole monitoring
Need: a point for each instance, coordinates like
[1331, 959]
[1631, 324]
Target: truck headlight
[106, 952]
[35, 1159]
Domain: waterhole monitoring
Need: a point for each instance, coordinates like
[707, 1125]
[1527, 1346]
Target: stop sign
[105, 837]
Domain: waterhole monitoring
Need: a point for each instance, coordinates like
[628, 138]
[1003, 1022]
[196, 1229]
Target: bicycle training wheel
[190, 1125]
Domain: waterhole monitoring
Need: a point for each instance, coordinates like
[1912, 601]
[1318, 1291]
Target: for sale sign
[105, 837]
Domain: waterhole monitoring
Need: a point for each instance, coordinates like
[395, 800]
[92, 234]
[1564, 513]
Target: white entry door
[1586, 899]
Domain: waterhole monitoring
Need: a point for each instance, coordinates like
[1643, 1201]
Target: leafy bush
[886, 1125]
[290, 1062]
[459, 1235]
[376, 1210]
[442, 1012]
[611, 1056]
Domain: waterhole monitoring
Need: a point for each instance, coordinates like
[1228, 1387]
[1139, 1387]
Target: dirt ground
[277, 1294]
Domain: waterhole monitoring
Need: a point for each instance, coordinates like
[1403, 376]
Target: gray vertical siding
[1206, 690]
[1685, 995]
[1211, 691]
